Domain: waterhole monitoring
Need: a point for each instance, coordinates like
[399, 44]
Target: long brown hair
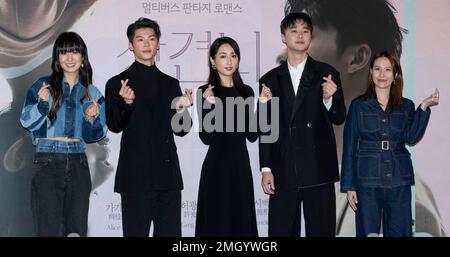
[396, 90]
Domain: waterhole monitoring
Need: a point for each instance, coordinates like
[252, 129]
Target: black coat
[305, 152]
[148, 158]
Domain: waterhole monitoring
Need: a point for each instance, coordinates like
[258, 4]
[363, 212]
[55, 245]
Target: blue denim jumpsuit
[377, 165]
[61, 184]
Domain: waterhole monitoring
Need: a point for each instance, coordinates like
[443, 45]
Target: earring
[213, 66]
[82, 65]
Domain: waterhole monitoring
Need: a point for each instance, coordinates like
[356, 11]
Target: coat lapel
[306, 83]
[286, 88]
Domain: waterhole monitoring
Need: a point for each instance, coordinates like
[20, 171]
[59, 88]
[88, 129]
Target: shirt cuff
[328, 105]
[266, 169]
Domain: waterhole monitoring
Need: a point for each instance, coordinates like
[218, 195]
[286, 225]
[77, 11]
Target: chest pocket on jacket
[369, 122]
[398, 121]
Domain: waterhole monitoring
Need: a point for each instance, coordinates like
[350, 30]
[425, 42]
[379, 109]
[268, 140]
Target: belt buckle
[385, 145]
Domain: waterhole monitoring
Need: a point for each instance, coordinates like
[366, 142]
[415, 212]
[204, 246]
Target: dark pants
[140, 209]
[60, 192]
[319, 211]
[390, 205]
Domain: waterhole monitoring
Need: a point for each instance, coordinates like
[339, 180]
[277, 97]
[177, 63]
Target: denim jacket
[374, 153]
[70, 119]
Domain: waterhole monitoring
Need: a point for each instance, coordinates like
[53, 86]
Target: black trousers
[60, 193]
[319, 211]
[139, 210]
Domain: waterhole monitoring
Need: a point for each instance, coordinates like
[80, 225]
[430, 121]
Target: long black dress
[226, 205]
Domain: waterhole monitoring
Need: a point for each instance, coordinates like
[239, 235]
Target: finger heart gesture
[430, 101]
[44, 92]
[185, 101]
[328, 87]
[266, 94]
[208, 95]
[93, 109]
[126, 92]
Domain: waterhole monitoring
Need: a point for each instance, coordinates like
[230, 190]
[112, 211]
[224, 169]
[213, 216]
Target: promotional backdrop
[188, 28]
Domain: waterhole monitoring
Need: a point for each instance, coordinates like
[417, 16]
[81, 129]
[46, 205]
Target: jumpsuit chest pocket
[398, 121]
[369, 122]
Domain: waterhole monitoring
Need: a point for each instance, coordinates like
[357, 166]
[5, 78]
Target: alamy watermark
[240, 117]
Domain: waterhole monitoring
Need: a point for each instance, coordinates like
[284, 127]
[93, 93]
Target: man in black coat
[302, 163]
[146, 105]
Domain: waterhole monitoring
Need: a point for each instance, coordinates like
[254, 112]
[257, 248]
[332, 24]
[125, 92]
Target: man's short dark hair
[143, 23]
[294, 17]
[357, 22]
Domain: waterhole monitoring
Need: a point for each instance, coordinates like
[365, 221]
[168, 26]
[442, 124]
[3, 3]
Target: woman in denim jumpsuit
[377, 171]
[63, 112]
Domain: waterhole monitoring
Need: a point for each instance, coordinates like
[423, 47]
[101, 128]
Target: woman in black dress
[226, 205]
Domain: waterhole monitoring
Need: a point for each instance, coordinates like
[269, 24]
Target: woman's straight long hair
[68, 42]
